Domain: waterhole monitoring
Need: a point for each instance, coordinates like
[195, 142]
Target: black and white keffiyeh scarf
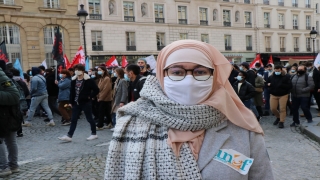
[139, 149]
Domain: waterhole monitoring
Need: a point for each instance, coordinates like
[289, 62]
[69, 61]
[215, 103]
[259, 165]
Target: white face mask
[78, 73]
[187, 91]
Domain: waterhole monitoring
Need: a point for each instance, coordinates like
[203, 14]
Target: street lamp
[313, 36]
[82, 14]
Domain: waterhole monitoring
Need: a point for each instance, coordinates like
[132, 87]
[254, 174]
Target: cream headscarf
[222, 97]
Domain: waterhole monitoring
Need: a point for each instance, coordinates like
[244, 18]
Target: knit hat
[3, 65]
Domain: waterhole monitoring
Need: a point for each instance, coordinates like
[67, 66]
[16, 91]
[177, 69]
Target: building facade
[28, 26]
[238, 28]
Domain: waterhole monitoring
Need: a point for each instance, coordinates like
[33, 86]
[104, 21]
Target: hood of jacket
[85, 77]
[35, 71]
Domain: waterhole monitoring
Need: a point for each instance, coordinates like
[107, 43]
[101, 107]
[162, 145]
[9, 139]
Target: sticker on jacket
[235, 160]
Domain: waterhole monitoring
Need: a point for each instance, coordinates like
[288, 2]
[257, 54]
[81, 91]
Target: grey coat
[230, 136]
[64, 89]
[120, 92]
[299, 86]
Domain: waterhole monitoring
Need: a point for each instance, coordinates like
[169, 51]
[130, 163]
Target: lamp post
[313, 36]
[82, 14]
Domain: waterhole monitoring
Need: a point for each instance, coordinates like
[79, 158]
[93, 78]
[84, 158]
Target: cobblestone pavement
[43, 156]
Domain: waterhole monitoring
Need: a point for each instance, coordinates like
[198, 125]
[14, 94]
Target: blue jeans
[304, 103]
[35, 101]
[247, 103]
[114, 119]
[266, 95]
[10, 144]
[253, 108]
[87, 109]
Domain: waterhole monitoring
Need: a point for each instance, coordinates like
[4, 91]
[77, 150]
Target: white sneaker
[92, 137]
[51, 123]
[26, 124]
[65, 138]
[112, 129]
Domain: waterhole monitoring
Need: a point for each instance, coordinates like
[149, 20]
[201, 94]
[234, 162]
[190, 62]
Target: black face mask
[301, 71]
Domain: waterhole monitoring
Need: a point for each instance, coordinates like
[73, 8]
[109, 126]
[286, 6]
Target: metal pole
[314, 51]
[84, 40]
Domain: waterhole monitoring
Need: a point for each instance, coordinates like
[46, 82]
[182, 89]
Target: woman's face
[199, 72]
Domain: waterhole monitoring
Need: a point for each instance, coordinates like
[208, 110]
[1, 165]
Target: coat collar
[85, 77]
[213, 141]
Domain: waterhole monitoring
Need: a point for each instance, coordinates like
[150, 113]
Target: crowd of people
[159, 123]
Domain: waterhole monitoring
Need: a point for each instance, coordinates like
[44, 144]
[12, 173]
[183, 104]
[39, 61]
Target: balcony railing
[280, 3]
[247, 1]
[226, 0]
[131, 48]
[281, 26]
[129, 18]
[183, 21]
[266, 2]
[296, 49]
[267, 26]
[248, 25]
[296, 27]
[308, 5]
[8, 2]
[226, 23]
[282, 49]
[308, 49]
[228, 48]
[294, 4]
[95, 16]
[159, 48]
[308, 27]
[268, 49]
[159, 20]
[97, 48]
[204, 23]
[249, 48]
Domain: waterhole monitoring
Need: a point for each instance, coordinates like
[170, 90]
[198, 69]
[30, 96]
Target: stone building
[238, 28]
[27, 27]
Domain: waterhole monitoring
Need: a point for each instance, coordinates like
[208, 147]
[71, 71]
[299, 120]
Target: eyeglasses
[179, 73]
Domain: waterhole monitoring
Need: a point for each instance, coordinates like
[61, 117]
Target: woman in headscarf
[188, 124]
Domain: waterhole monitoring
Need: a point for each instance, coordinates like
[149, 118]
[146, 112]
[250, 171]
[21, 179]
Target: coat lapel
[213, 141]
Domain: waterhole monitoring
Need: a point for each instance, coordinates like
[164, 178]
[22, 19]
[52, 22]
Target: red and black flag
[57, 50]
[3, 52]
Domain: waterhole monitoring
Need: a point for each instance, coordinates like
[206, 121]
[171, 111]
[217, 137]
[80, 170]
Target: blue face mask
[239, 78]
[30, 73]
[115, 74]
[277, 73]
[61, 76]
[126, 77]
[100, 72]
[241, 68]
[293, 71]
[93, 76]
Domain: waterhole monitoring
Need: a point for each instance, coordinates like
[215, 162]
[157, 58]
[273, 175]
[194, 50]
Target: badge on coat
[235, 160]
[6, 84]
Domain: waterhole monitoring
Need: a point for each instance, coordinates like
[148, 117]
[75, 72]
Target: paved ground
[43, 156]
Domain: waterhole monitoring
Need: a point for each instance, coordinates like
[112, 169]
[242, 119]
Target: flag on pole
[152, 62]
[270, 60]
[57, 50]
[44, 63]
[317, 61]
[112, 62]
[66, 62]
[78, 58]
[3, 52]
[87, 64]
[256, 60]
[17, 66]
[124, 62]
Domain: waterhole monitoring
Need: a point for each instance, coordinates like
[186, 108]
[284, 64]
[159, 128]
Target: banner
[57, 50]
[3, 52]
[124, 62]
[270, 60]
[256, 60]
[78, 58]
[17, 66]
[44, 63]
[87, 64]
[152, 62]
[66, 62]
[112, 62]
[317, 61]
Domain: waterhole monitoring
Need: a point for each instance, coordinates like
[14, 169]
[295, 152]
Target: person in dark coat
[53, 91]
[233, 75]
[266, 92]
[142, 63]
[315, 74]
[251, 78]
[244, 89]
[259, 69]
[136, 82]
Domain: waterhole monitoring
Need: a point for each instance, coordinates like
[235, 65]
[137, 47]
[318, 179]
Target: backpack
[22, 101]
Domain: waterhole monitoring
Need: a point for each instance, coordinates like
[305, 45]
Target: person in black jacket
[315, 74]
[244, 89]
[136, 82]
[53, 91]
[279, 85]
[233, 75]
[83, 90]
[251, 78]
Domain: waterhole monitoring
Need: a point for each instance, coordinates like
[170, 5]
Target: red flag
[66, 62]
[270, 60]
[112, 62]
[3, 52]
[256, 60]
[78, 58]
[124, 62]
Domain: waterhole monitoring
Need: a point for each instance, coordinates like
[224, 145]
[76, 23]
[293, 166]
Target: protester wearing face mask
[258, 101]
[266, 92]
[300, 95]
[104, 99]
[136, 82]
[83, 90]
[260, 70]
[314, 73]
[279, 85]
[187, 118]
[95, 105]
[53, 91]
[244, 89]
[142, 63]
[293, 70]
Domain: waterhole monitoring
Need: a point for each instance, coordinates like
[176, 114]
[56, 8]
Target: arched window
[10, 33]
[48, 34]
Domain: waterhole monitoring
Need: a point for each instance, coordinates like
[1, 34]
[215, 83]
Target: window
[281, 21]
[308, 44]
[9, 2]
[205, 38]
[308, 25]
[128, 11]
[317, 26]
[227, 42]
[10, 33]
[182, 14]
[203, 16]
[267, 41]
[249, 43]
[158, 13]
[282, 44]
[96, 38]
[295, 21]
[51, 3]
[317, 8]
[48, 35]
[226, 18]
[296, 44]
[131, 41]
[295, 3]
[160, 41]
[94, 9]
[267, 20]
[183, 36]
[247, 18]
[308, 4]
[280, 3]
